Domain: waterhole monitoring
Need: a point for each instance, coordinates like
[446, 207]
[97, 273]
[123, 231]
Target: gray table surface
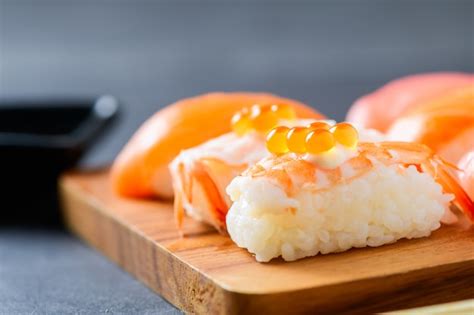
[150, 53]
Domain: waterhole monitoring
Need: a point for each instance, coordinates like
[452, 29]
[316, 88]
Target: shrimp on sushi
[201, 174]
[466, 172]
[330, 193]
[141, 168]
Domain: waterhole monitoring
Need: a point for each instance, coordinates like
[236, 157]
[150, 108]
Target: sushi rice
[377, 208]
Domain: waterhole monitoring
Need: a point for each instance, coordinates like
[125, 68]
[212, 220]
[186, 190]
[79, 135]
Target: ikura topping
[284, 111]
[261, 118]
[319, 125]
[241, 122]
[296, 139]
[345, 134]
[319, 141]
[276, 140]
[317, 138]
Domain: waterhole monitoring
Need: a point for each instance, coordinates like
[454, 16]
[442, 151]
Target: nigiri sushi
[379, 109]
[337, 194]
[201, 174]
[446, 124]
[141, 168]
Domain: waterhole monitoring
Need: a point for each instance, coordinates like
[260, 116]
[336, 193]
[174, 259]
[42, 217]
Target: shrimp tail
[441, 171]
[462, 200]
[424, 158]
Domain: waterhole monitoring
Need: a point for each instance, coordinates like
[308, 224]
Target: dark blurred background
[151, 53]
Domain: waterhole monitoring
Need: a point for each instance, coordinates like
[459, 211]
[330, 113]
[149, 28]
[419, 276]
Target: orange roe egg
[319, 125]
[241, 122]
[296, 139]
[284, 111]
[263, 118]
[345, 134]
[319, 141]
[276, 140]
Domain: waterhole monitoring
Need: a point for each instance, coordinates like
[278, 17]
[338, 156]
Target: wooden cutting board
[206, 273]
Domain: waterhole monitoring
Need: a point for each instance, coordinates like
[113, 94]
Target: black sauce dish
[38, 141]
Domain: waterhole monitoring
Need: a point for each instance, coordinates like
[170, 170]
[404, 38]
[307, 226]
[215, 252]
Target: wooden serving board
[206, 273]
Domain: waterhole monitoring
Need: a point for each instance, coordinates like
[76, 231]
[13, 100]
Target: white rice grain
[377, 208]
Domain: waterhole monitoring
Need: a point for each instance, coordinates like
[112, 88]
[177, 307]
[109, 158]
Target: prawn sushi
[201, 174]
[338, 193]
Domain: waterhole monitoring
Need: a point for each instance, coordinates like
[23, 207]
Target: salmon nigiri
[141, 168]
[446, 124]
[379, 109]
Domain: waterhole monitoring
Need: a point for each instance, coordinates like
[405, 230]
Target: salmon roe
[345, 134]
[284, 111]
[276, 140]
[241, 122]
[316, 138]
[319, 141]
[263, 118]
[319, 125]
[296, 139]
[260, 117]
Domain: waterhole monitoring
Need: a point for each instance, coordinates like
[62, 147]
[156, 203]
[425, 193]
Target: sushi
[445, 124]
[379, 109]
[338, 193]
[282, 181]
[201, 174]
[141, 168]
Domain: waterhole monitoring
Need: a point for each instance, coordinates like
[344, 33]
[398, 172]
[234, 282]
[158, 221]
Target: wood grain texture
[455, 308]
[205, 272]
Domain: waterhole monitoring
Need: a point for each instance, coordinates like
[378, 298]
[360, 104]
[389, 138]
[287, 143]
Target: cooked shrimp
[201, 174]
[293, 172]
[466, 172]
[297, 204]
[141, 169]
